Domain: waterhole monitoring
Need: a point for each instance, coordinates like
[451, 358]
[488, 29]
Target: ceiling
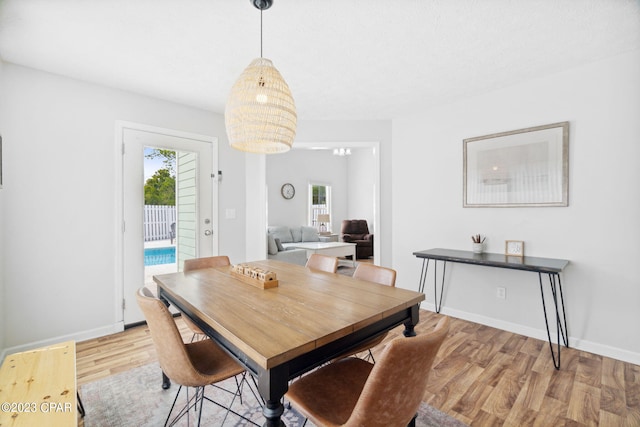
[343, 59]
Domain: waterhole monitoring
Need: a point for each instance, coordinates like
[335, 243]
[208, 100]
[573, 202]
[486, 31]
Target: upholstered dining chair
[353, 392]
[199, 264]
[196, 364]
[376, 274]
[323, 263]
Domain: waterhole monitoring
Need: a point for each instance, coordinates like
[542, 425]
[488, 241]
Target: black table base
[547, 266]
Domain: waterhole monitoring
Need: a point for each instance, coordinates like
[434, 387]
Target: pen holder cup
[478, 248]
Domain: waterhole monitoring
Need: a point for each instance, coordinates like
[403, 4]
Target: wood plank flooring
[482, 376]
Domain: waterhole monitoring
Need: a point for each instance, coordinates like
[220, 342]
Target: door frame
[120, 127]
[375, 146]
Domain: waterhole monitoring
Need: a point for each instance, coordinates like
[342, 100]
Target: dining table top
[308, 309]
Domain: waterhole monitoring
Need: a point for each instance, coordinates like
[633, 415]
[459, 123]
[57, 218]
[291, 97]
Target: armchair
[356, 231]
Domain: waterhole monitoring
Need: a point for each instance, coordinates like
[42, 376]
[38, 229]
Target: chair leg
[412, 423]
[192, 402]
[369, 357]
[80, 406]
[202, 404]
[254, 391]
[199, 397]
[197, 337]
[172, 406]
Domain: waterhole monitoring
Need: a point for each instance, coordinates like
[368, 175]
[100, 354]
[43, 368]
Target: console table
[549, 266]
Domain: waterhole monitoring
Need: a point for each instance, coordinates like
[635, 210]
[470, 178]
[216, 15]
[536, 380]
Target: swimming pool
[157, 256]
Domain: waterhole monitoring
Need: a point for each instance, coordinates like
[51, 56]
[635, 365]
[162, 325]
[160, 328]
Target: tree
[168, 156]
[160, 189]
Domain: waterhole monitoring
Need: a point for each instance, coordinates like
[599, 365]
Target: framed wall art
[525, 167]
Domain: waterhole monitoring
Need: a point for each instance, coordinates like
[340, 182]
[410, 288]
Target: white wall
[57, 210]
[361, 181]
[343, 132]
[2, 258]
[301, 167]
[598, 232]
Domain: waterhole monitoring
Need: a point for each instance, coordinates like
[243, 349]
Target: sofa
[356, 231]
[281, 240]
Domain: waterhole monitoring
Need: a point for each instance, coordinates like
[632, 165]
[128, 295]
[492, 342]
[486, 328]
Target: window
[319, 203]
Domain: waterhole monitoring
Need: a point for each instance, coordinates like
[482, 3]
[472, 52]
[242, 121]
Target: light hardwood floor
[482, 376]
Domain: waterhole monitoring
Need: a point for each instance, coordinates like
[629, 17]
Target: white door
[196, 202]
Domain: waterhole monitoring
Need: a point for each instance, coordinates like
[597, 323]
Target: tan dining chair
[323, 263]
[376, 274]
[199, 264]
[353, 392]
[196, 364]
[206, 262]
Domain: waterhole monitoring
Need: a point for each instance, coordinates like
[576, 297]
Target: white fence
[157, 222]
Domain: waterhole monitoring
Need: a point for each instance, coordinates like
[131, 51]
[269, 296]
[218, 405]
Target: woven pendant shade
[260, 115]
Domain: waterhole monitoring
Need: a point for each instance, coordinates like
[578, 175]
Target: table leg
[272, 385]
[166, 382]
[423, 274]
[437, 303]
[409, 325]
[272, 412]
[559, 320]
[423, 279]
[560, 328]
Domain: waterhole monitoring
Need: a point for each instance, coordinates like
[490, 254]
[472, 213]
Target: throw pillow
[309, 234]
[272, 247]
[296, 233]
[282, 232]
[279, 245]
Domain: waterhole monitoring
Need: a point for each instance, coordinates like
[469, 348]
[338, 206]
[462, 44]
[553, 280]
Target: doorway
[190, 232]
[368, 194]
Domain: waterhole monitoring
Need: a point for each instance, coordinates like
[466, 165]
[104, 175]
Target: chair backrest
[323, 263]
[172, 353]
[375, 273]
[356, 227]
[208, 262]
[396, 384]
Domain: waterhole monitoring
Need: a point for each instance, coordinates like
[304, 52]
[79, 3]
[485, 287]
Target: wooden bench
[38, 387]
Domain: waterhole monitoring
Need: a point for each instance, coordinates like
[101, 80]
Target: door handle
[208, 232]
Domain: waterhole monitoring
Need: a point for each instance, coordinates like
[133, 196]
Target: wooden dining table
[278, 334]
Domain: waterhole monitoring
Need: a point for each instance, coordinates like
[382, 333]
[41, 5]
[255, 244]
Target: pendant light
[260, 115]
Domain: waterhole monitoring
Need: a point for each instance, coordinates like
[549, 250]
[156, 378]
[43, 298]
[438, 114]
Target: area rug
[346, 270]
[136, 398]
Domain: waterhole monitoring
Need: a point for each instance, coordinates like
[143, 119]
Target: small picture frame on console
[514, 248]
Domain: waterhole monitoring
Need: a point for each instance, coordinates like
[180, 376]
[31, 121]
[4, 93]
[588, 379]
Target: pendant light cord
[260, 33]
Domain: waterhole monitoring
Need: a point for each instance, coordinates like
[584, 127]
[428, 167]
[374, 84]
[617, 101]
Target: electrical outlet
[501, 293]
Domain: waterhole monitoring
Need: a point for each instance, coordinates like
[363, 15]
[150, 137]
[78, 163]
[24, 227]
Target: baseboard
[541, 334]
[78, 336]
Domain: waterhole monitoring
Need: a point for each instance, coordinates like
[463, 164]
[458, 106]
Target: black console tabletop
[540, 265]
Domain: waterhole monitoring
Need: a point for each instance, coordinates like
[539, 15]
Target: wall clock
[288, 191]
[514, 248]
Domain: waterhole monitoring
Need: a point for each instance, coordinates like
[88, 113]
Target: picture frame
[524, 167]
[514, 248]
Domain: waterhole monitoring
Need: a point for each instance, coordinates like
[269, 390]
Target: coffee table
[337, 249]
